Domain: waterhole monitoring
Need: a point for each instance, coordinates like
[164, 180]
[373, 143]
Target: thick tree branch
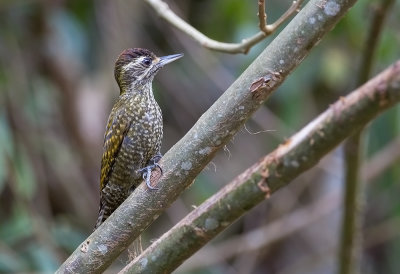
[275, 231]
[261, 237]
[276, 170]
[222, 251]
[212, 131]
[168, 15]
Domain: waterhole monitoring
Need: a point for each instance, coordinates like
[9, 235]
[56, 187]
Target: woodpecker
[134, 129]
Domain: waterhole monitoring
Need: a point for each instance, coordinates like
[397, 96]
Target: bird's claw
[159, 167]
[147, 174]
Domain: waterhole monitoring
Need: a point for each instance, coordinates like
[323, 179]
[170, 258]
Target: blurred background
[57, 88]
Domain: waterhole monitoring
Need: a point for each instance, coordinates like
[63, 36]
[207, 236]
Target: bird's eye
[146, 61]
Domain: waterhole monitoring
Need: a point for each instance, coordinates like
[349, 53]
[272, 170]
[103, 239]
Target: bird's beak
[168, 59]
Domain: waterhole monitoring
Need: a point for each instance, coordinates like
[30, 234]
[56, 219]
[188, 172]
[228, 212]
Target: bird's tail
[104, 213]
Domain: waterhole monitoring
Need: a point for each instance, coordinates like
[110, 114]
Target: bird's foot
[156, 158]
[146, 171]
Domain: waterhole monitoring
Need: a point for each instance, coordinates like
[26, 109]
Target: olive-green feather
[116, 130]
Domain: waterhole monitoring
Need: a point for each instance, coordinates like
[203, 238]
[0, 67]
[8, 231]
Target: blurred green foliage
[57, 88]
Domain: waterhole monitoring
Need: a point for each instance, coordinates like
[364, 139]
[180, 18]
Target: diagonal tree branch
[276, 170]
[167, 14]
[280, 228]
[261, 237]
[212, 131]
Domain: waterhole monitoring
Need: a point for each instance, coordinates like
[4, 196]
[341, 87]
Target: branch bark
[213, 130]
[303, 217]
[276, 170]
[261, 237]
[272, 232]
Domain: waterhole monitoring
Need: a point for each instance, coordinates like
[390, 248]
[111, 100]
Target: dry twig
[262, 16]
[167, 14]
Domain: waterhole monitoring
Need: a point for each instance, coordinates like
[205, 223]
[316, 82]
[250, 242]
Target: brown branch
[379, 233]
[301, 152]
[164, 11]
[261, 237]
[262, 16]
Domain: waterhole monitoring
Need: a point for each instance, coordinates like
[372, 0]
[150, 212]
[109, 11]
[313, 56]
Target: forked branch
[262, 16]
[164, 11]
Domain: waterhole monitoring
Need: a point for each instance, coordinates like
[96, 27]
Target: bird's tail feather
[103, 215]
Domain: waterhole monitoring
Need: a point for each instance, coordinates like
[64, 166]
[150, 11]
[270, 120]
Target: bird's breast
[145, 133]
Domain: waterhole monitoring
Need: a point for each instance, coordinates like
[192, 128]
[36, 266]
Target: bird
[134, 130]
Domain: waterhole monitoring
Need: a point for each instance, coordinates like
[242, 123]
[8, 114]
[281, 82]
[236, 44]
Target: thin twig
[164, 11]
[350, 247]
[262, 16]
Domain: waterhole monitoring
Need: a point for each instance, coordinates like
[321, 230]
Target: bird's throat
[144, 92]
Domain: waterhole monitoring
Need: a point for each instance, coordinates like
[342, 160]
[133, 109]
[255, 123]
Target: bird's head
[137, 67]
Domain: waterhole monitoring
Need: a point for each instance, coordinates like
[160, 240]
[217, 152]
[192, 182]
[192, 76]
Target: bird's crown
[136, 67]
[132, 65]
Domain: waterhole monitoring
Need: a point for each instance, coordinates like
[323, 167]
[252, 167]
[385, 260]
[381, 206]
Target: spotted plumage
[134, 129]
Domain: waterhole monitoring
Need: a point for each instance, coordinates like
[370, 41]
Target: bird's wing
[117, 127]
